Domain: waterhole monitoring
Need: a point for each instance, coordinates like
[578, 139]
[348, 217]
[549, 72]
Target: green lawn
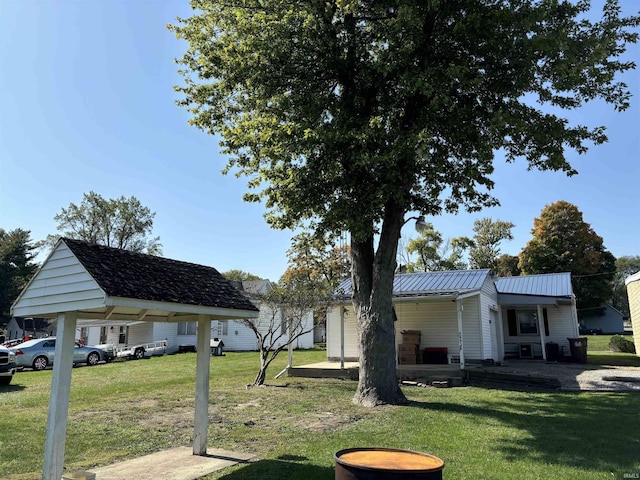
[599, 343]
[294, 426]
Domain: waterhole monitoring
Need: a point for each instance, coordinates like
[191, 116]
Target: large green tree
[237, 275]
[625, 266]
[320, 261]
[120, 223]
[488, 234]
[17, 266]
[563, 242]
[429, 252]
[347, 115]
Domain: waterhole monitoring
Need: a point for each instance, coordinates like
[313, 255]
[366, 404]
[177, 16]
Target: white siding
[140, 333]
[166, 331]
[350, 334]
[93, 335]
[488, 301]
[436, 320]
[61, 285]
[239, 338]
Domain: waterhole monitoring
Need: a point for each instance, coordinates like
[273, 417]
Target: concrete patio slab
[174, 464]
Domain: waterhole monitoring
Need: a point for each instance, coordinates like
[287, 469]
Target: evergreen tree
[16, 267]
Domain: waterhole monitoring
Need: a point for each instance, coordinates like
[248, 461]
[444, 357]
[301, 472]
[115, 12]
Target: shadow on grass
[589, 431]
[281, 468]
[11, 388]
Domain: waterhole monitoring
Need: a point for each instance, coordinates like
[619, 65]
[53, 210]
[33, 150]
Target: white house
[33, 327]
[235, 335]
[473, 314]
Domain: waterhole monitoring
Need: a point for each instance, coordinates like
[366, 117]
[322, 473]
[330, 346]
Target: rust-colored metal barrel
[386, 464]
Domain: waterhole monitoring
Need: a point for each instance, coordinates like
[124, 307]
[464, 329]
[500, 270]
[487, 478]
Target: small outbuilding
[79, 280]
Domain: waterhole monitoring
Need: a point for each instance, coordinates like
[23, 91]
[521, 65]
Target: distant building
[605, 319]
[33, 327]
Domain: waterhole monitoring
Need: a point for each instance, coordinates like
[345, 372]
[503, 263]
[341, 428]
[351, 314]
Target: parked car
[7, 365]
[39, 353]
[584, 330]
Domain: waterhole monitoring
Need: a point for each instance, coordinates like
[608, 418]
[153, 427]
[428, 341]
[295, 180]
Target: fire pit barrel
[386, 464]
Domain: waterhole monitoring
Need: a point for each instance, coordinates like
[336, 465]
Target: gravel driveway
[578, 377]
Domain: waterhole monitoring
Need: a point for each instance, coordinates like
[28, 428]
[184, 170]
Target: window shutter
[546, 322]
[513, 324]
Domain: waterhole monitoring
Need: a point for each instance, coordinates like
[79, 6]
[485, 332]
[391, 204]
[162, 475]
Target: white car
[7, 365]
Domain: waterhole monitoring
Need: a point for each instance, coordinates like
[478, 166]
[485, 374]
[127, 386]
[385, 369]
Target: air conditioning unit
[526, 350]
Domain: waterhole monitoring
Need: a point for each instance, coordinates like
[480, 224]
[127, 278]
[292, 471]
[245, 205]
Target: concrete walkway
[175, 464]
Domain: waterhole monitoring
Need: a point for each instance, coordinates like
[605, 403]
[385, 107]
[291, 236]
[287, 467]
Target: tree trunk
[264, 364]
[372, 281]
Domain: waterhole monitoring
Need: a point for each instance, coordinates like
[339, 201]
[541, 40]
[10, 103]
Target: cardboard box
[411, 336]
[407, 359]
[409, 348]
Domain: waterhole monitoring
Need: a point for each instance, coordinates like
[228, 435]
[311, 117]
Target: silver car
[39, 353]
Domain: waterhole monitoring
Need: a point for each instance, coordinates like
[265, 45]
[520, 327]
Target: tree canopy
[488, 234]
[347, 115]
[625, 267]
[239, 275]
[432, 253]
[120, 223]
[563, 242]
[322, 259]
[17, 266]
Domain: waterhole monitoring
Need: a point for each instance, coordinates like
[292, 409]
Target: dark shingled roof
[121, 273]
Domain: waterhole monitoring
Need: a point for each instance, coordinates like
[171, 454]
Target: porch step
[480, 375]
[438, 382]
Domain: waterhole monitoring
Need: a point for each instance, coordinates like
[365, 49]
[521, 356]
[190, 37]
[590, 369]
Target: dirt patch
[327, 421]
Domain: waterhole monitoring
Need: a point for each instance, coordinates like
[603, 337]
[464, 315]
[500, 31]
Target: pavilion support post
[543, 340]
[459, 310]
[59, 398]
[203, 362]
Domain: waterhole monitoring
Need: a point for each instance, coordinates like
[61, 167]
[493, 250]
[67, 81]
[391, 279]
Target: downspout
[459, 310]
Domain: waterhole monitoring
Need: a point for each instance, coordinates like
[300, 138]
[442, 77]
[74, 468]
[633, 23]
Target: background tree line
[561, 242]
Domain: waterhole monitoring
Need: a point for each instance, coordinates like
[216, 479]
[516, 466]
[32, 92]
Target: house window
[527, 322]
[187, 328]
[103, 335]
[225, 328]
[84, 335]
[122, 337]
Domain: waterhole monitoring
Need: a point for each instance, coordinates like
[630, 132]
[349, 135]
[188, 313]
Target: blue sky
[87, 103]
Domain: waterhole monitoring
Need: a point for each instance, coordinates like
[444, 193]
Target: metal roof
[546, 285]
[450, 282]
[632, 278]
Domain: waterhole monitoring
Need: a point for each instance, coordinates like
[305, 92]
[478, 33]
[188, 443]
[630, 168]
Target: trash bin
[578, 348]
[553, 352]
[435, 355]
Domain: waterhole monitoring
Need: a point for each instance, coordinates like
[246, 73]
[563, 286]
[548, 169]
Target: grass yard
[294, 426]
[600, 343]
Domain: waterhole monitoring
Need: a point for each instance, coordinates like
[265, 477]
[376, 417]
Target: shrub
[620, 344]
